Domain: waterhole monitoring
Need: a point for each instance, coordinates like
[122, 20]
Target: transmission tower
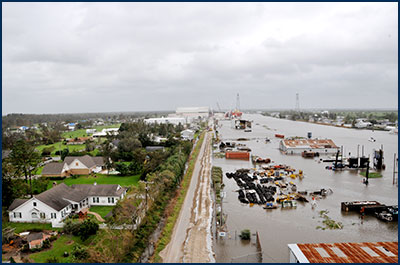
[297, 102]
[237, 102]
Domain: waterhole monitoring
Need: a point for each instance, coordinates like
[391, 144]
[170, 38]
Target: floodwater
[280, 227]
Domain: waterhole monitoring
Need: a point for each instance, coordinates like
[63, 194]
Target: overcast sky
[100, 57]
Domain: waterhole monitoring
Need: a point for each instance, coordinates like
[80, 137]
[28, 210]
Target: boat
[372, 139]
[267, 140]
[247, 130]
[279, 135]
[306, 154]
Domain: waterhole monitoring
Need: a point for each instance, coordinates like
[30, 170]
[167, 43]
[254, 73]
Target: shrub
[72, 227]
[79, 253]
[52, 260]
[46, 244]
[88, 228]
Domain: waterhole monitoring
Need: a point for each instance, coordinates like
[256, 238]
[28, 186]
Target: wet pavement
[280, 227]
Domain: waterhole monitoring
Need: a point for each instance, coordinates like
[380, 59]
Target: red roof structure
[367, 252]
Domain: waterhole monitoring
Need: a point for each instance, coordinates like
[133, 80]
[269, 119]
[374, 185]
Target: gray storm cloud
[100, 57]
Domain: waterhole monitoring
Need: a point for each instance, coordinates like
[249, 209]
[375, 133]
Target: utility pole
[394, 169]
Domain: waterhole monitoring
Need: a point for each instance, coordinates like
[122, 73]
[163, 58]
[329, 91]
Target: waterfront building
[367, 252]
[298, 146]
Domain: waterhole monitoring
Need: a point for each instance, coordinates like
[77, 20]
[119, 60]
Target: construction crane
[219, 108]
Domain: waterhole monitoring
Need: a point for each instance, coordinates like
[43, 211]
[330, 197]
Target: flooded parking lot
[283, 226]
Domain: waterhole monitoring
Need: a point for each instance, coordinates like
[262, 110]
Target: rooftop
[367, 252]
[310, 143]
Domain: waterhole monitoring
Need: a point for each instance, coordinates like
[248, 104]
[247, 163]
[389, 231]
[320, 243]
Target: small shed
[35, 240]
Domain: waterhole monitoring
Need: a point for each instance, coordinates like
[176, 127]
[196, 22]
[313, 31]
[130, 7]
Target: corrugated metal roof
[310, 143]
[368, 252]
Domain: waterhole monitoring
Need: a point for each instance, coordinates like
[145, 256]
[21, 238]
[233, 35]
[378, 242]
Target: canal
[279, 227]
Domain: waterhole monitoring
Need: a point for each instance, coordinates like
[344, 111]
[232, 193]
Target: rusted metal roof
[310, 143]
[368, 252]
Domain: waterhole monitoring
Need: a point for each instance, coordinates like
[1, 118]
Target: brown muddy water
[280, 227]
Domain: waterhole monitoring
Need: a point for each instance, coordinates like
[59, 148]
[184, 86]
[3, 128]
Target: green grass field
[372, 175]
[64, 243]
[102, 210]
[100, 179]
[21, 227]
[60, 146]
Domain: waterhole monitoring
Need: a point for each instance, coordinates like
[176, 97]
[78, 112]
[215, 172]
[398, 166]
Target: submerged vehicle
[270, 205]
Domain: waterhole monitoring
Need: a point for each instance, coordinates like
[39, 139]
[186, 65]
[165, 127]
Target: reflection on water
[280, 227]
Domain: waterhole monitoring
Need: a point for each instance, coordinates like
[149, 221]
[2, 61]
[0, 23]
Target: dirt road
[191, 238]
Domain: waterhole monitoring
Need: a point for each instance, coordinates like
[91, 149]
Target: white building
[297, 146]
[187, 134]
[193, 113]
[163, 120]
[90, 131]
[55, 204]
[105, 132]
[361, 123]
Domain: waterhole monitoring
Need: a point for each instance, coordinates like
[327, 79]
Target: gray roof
[87, 160]
[99, 190]
[34, 236]
[55, 197]
[16, 203]
[53, 168]
[154, 148]
[58, 196]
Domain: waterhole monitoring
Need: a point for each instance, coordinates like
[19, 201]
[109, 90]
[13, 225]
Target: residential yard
[64, 243]
[21, 227]
[102, 210]
[99, 179]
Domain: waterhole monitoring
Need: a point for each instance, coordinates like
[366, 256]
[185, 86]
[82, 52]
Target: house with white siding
[57, 203]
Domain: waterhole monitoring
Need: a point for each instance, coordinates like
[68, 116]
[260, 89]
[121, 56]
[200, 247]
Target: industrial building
[369, 252]
[193, 113]
[170, 120]
[298, 146]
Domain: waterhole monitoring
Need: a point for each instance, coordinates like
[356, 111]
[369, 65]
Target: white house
[187, 134]
[55, 204]
[90, 131]
[71, 126]
[361, 123]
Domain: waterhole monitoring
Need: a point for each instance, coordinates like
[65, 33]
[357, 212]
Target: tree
[106, 150]
[25, 159]
[11, 188]
[88, 228]
[64, 153]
